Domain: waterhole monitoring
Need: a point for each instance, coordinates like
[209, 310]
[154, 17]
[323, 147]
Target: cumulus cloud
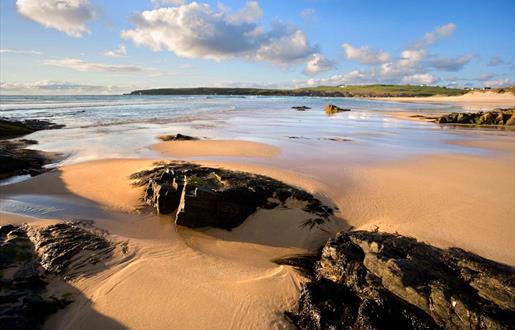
[58, 87]
[317, 64]
[196, 30]
[20, 52]
[117, 52]
[84, 66]
[364, 54]
[412, 66]
[68, 16]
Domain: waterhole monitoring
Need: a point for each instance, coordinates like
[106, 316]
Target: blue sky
[91, 46]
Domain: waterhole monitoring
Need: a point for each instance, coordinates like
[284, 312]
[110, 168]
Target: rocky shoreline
[498, 117]
[16, 157]
[372, 280]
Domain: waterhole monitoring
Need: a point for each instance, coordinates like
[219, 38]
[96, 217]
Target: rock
[31, 257]
[67, 248]
[331, 109]
[372, 280]
[14, 128]
[205, 196]
[16, 159]
[177, 137]
[495, 117]
[301, 108]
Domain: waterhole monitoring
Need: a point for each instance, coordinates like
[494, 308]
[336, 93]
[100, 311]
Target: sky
[115, 46]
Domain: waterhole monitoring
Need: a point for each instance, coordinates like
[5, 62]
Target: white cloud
[317, 64]
[444, 31]
[117, 52]
[364, 54]
[84, 66]
[420, 79]
[59, 87]
[68, 16]
[20, 52]
[196, 30]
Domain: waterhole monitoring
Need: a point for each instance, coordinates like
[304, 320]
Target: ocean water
[99, 127]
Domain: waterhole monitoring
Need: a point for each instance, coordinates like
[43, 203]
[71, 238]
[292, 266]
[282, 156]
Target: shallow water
[99, 127]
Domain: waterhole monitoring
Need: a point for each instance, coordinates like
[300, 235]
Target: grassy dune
[347, 91]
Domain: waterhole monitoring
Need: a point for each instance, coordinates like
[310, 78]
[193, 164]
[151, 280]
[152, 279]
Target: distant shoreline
[324, 91]
[363, 91]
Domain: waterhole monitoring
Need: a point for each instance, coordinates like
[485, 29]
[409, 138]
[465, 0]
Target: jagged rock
[301, 108]
[495, 117]
[331, 109]
[22, 302]
[66, 248]
[372, 280]
[205, 196]
[177, 137]
[31, 257]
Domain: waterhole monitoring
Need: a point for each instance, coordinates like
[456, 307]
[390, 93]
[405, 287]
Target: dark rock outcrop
[30, 258]
[301, 108]
[177, 137]
[15, 157]
[205, 196]
[500, 117]
[372, 280]
[331, 109]
[13, 128]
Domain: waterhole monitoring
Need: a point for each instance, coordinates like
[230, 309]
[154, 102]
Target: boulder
[205, 196]
[177, 137]
[372, 280]
[331, 109]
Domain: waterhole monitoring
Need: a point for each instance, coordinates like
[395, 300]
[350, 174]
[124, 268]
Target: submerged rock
[301, 108]
[331, 109]
[372, 280]
[30, 258]
[205, 196]
[177, 137]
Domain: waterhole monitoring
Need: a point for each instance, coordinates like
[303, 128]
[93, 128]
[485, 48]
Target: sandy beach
[228, 277]
[475, 100]
[458, 194]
